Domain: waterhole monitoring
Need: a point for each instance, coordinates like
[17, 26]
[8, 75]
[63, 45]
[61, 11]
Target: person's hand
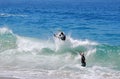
[54, 35]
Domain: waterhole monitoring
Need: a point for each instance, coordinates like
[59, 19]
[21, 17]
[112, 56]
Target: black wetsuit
[62, 37]
[83, 61]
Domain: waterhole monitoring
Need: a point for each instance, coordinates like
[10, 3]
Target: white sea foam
[4, 30]
[35, 58]
[76, 43]
[86, 73]
[8, 15]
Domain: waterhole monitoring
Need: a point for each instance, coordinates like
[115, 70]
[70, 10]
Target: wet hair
[62, 33]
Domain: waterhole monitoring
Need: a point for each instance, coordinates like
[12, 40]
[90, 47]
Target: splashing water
[56, 58]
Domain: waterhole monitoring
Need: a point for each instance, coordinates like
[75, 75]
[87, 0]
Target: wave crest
[55, 51]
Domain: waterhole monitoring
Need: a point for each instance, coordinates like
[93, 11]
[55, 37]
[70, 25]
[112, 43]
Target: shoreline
[8, 78]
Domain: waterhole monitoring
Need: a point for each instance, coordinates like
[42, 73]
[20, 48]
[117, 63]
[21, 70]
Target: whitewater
[30, 58]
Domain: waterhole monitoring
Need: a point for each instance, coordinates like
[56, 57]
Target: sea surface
[28, 49]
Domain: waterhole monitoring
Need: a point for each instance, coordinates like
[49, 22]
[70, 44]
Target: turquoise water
[27, 45]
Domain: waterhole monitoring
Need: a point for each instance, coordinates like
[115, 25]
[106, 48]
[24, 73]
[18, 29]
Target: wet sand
[8, 78]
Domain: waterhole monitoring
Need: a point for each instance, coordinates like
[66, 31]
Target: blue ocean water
[97, 22]
[26, 40]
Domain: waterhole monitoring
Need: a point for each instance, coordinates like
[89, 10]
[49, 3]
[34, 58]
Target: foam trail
[13, 15]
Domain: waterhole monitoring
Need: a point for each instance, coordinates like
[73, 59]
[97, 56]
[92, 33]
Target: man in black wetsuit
[83, 59]
[61, 36]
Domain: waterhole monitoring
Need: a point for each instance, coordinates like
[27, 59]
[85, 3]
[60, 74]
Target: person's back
[83, 60]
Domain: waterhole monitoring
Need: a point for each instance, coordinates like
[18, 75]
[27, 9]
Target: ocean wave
[5, 30]
[26, 52]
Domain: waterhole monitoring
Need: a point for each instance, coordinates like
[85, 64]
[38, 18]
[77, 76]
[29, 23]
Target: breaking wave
[55, 56]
